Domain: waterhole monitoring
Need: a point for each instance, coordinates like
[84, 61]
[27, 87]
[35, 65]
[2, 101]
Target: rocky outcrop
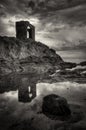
[26, 55]
[68, 65]
[82, 63]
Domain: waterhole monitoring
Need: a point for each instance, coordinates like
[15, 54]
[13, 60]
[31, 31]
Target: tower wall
[22, 30]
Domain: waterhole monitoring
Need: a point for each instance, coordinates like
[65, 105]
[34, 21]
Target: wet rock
[68, 65]
[83, 63]
[55, 105]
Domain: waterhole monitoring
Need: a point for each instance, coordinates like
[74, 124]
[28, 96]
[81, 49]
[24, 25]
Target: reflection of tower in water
[27, 90]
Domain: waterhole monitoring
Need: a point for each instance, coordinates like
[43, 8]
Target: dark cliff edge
[24, 56]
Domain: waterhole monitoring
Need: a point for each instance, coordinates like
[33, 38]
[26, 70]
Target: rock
[55, 105]
[68, 65]
[82, 63]
[26, 55]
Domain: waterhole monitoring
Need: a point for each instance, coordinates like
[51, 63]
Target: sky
[60, 24]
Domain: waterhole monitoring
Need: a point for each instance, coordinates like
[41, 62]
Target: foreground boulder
[55, 105]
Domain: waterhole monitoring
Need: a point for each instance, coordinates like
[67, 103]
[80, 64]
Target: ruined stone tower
[25, 30]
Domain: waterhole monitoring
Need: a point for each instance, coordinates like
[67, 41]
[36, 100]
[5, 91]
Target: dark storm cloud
[38, 6]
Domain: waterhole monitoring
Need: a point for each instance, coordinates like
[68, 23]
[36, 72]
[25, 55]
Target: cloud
[60, 24]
